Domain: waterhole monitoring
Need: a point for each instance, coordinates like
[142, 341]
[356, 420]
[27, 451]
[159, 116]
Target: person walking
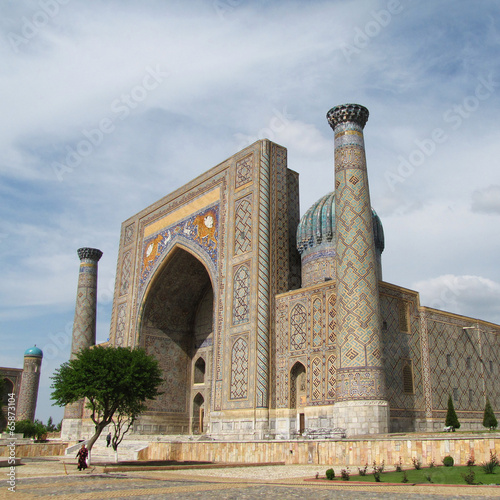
[82, 457]
[108, 440]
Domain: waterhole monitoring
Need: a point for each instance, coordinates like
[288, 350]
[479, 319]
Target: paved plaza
[57, 478]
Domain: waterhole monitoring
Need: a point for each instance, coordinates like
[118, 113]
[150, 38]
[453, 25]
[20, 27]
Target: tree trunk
[90, 443]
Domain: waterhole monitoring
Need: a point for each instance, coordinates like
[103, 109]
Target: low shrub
[345, 474]
[399, 465]
[377, 470]
[330, 474]
[405, 477]
[432, 463]
[490, 466]
[471, 461]
[448, 461]
[416, 463]
[362, 472]
[470, 476]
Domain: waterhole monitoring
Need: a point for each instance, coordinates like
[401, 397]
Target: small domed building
[267, 325]
[24, 383]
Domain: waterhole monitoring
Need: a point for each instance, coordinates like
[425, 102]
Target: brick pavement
[53, 478]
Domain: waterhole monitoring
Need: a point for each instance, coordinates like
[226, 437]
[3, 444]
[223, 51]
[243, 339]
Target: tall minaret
[361, 405]
[84, 327]
[30, 381]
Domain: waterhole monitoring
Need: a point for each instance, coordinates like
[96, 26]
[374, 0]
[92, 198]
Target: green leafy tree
[50, 425]
[113, 380]
[451, 416]
[489, 419]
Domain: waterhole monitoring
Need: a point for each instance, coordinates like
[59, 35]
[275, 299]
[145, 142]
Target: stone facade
[258, 341]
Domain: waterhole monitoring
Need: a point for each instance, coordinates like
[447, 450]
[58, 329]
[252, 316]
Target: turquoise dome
[34, 351]
[317, 226]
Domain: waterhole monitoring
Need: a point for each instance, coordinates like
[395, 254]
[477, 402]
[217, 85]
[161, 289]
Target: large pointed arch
[176, 326]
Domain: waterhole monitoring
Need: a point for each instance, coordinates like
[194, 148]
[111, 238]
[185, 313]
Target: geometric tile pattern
[243, 225]
[317, 329]
[332, 337]
[244, 171]
[239, 369]
[125, 272]
[241, 290]
[331, 377]
[360, 373]
[298, 327]
[263, 285]
[129, 234]
[121, 317]
[84, 324]
[316, 379]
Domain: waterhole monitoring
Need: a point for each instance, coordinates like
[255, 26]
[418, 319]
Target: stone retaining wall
[35, 450]
[343, 452]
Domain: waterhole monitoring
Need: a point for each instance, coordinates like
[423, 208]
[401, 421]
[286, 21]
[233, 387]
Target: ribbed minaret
[361, 406]
[84, 324]
[30, 381]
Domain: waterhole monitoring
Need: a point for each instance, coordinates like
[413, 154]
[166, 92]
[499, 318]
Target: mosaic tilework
[331, 377]
[399, 346]
[320, 358]
[128, 236]
[121, 316]
[201, 229]
[125, 273]
[241, 295]
[239, 369]
[332, 322]
[84, 323]
[243, 225]
[298, 327]
[29, 388]
[360, 374]
[244, 171]
[262, 388]
[316, 380]
[317, 329]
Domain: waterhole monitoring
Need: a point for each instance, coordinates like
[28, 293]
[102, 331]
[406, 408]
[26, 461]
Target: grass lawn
[437, 475]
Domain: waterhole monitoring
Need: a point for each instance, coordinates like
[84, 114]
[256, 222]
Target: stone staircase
[127, 450]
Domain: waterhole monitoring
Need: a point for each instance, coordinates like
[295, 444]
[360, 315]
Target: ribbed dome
[318, 225]
[34, 351]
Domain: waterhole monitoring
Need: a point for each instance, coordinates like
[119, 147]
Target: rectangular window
[404, 323]
[448, 360]
[491, 366]
[471, 395]
[455, 394]
[407, 376]
[467, 363]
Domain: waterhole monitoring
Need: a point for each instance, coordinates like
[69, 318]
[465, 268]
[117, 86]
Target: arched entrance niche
[177, 328]
[298, 393]
[198, 414]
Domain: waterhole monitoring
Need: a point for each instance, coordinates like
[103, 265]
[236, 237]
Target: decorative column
[30, 381]
[361, 405]
[84, 324]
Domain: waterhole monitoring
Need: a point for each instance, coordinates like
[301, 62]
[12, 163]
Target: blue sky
[109, 105]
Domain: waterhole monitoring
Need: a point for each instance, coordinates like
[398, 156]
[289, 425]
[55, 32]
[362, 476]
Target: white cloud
[486, 200]
[467, 295]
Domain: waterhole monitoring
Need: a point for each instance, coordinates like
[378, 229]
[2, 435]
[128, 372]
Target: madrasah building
[271, 326]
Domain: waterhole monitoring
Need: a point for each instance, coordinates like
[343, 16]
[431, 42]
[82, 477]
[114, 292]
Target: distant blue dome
[317, 226]
[34, 351]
